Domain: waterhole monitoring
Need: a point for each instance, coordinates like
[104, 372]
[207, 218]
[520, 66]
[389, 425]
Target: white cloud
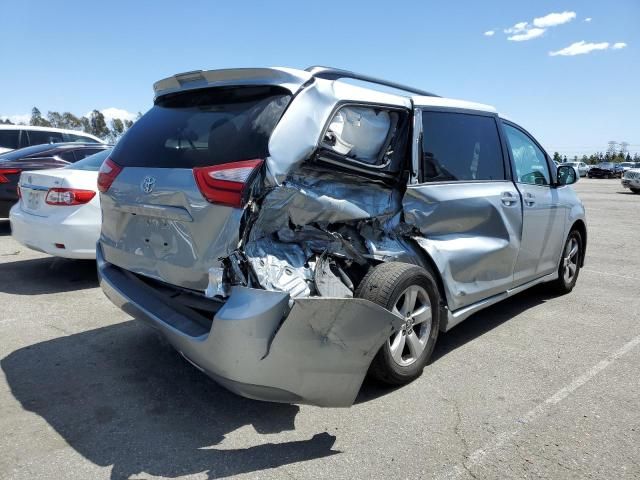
[554, 19]
[619, 45]
[580, 48]
[588, 19]
[517, 28]
[19, 118]
[527, 35]
[489, 33]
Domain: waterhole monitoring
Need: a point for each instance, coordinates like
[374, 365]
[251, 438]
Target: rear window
[205, 127]
[39, 137]
[72, 137]
[91, 163]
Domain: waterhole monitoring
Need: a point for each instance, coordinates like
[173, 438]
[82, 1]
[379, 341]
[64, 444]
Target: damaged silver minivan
[291, 231]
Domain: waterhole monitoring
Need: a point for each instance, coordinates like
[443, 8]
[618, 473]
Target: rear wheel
[569, 264]
[635, 190]
[410, 292]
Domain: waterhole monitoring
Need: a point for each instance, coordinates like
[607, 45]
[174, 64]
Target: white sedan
[59, 209]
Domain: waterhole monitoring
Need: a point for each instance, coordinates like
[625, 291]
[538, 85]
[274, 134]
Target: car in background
[14, 137]
[631, 179]
[38, 157]
[581, 168]
[59, 209]
[627, 165]
[605, 170]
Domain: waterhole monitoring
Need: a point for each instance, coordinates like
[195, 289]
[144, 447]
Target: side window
[10, 139]
[460, 147]
[529, 161]
[85, 152]
[67, 156]
[371, 136]
[71, 137]
[39, 137]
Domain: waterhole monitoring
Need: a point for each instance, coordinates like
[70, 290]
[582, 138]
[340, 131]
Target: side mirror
[566, 175]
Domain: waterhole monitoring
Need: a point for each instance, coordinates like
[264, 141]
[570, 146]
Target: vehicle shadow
[47, 275]
[472, 328]
[121, 397]
[5, 228]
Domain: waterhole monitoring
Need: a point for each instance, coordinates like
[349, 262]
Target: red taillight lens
[68, 196]
[107, 174]
[227, 184]
[8, 171]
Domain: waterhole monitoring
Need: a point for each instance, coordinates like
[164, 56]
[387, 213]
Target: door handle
[508, 199]
[529, 199]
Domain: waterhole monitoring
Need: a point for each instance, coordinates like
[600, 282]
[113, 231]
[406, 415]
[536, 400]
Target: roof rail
[329, 73]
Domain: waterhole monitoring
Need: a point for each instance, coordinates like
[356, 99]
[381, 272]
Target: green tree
[6, 121]
[37, 120]
[70, 121]
[55, 119]
[117, 129]
[98, 125]
[128, 124]
[557, 157]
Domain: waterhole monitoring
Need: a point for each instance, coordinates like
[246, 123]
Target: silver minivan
[290, 231]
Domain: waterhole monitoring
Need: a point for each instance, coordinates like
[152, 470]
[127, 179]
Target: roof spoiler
[329, 73]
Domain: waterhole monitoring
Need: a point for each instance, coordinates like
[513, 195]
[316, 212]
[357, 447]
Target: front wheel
[410, 292]
[569, 264]
[635, 190]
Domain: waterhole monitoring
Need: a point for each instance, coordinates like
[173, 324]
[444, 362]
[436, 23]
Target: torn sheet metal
[331, 280]
[319, 196]
[281, 267]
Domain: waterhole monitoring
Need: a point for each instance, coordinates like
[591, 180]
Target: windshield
[605, 165]
[205, 127]
[92, 163]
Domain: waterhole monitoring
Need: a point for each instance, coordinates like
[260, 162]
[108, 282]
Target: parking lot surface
[535, 387]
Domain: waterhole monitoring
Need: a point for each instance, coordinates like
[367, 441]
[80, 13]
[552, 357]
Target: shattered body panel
[318, 351]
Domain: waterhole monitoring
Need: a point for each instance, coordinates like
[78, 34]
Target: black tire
[635, 190]
[563, 285]
[388, 284]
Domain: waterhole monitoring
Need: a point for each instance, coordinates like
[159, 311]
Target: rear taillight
[107, 174]
[8, 171]
[68, 196]
[227, 184]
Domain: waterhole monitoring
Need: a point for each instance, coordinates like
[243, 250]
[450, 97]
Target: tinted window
[529, 160]
[67, 156]
[460, 147]
[72, 137]
[205, 127]
[92, 162]
[9, 138]
[37, 137]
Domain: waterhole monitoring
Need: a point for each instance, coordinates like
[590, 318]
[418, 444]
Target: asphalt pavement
[535, 387]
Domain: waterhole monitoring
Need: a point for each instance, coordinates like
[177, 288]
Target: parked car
[627, 165]
[59, 209]
[13, 137]
[605, 170]
[38, 157]
[631, 179]
[289, 232]
[581, 168]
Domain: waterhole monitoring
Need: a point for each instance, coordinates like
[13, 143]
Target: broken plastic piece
[217, 286]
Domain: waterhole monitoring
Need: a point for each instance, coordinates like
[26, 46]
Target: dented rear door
[463, 203]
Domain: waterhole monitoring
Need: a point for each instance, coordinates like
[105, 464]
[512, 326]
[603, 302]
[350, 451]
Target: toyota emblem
[147, 184]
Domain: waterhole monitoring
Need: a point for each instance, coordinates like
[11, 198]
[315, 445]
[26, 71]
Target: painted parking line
[479, 456]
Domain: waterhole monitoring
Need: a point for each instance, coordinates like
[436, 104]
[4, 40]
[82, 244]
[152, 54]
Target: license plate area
[32, 199]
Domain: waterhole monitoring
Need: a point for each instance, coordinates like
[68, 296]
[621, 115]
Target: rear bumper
[42, 233]
[316, 351]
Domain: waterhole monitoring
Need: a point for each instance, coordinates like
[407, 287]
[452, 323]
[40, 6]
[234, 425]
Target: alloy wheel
[408, 343]
[570, 260]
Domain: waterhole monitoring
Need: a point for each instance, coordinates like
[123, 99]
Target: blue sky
[74, 56]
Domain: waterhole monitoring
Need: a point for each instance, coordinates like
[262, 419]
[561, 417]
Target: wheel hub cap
[407, 345]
